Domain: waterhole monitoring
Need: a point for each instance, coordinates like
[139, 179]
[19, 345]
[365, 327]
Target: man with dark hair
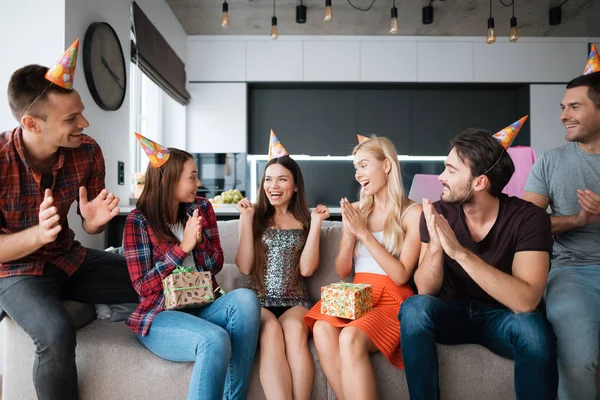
[45, 165]
[481, 275]
[567, 179]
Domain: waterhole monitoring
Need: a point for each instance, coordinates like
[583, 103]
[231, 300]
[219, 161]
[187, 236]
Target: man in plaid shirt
[45, 165]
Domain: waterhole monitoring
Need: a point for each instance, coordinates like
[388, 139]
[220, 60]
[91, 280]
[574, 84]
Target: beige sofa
[113, 365]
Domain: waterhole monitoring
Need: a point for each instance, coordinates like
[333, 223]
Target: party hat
[157, 153]
[508, 134]
[593, 63]
[63, 72]
[276, 149]
[362, 139]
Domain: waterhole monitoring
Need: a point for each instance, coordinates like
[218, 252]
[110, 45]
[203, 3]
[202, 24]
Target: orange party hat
[362, 139]
[157, 153]
[508, 134]
[276, 149]
[593, 63]
[63, 72]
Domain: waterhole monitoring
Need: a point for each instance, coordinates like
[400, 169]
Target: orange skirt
[381, 324]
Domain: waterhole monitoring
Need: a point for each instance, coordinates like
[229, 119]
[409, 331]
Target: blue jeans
[220, 338]
[527, 338]
[573, 308]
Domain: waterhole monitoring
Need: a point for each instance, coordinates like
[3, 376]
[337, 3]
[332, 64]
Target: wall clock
[104, 66]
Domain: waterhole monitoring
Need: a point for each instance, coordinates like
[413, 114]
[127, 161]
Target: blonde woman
[380, 235]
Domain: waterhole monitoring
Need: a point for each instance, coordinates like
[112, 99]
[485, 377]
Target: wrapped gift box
[185, 288]
[346, 300]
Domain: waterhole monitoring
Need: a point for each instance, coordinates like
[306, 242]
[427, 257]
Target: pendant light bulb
[491, 33]
[394, 21]
[225, 15]
[274, 30]
[328, 11]
[513, 35]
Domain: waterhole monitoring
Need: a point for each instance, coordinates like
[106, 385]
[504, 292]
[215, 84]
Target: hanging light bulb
[274, 30]
[513, 36]
[328, 11]
[491, 33]
[394, 21]
[225, 15]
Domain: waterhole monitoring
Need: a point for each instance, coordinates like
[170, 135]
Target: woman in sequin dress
[380, 236]
[279, 246]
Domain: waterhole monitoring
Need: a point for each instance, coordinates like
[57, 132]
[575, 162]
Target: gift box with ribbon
[346, 300]
[186, 288]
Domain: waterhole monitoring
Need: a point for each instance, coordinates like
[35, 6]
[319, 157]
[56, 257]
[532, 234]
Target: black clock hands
[111, 72]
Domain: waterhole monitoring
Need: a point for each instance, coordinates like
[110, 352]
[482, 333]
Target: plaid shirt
[21, 195]
[149, 262]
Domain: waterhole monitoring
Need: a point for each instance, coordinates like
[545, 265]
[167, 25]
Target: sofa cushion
[113, 365]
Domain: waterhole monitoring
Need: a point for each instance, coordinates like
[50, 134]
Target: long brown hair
[264, 211]
[156, 200]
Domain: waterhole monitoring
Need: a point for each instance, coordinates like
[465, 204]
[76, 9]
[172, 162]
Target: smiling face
[580, 116]
[64, 122]
[188, 183]
[370, 172]
[457, 180]
[279, 185]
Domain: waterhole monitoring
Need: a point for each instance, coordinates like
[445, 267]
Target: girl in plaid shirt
[172, 227]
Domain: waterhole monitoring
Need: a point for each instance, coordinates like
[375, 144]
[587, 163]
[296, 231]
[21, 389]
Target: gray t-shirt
[558, 174]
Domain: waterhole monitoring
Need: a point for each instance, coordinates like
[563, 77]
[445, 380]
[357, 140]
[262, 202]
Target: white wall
[547, 132]
[174, 123]
[41, 41]
[111, 128]
[51, 27]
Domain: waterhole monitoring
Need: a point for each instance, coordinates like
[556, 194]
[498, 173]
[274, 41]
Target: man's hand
[99, 211]
[448, 239]
[590, 207]
[48, 226]
[431, 217]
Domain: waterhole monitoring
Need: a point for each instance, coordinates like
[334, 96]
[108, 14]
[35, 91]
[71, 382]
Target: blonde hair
[393, 234]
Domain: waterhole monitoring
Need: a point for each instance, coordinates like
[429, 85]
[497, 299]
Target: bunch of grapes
[228, 197]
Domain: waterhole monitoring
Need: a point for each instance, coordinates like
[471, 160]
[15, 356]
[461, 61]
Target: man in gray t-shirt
[568, 180]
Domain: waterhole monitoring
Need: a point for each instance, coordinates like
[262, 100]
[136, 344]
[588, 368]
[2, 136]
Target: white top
[364, 261]
[178, 232]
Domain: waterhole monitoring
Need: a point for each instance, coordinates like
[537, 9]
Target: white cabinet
[216, 61]
[331, 61]
[274, 61]
[445, 61]
[217, 118]
[388, 61]
[384, 59]
[529, 61]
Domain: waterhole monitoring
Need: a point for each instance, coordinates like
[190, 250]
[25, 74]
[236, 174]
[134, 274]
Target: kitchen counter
[227, 211]
[114, 232]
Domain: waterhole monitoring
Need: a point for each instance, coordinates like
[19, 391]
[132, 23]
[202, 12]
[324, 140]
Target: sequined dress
[284, 286]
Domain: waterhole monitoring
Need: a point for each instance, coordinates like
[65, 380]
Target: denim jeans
[573, 308]
[220, 338]
[34, 303]
[527, 338]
